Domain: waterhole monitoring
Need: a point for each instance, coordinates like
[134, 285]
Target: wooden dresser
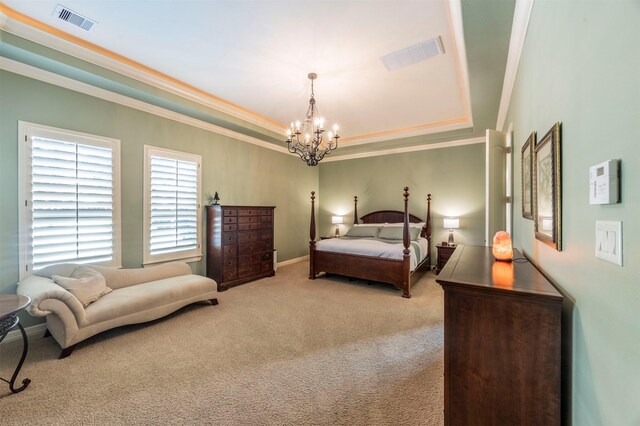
[239, 244]
[502, 341]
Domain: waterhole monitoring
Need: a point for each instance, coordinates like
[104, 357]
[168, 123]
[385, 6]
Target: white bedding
[375, 247]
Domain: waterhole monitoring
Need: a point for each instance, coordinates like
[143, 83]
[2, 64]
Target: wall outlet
[609, 241]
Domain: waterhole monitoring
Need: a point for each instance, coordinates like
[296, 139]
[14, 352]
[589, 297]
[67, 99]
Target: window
[171, 206]
[70, 184]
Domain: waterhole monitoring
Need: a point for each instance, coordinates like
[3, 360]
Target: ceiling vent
[72, 17]
[413, 54]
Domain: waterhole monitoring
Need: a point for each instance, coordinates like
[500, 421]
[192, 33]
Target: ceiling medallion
[307, 139]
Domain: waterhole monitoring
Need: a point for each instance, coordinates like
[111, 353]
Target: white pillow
[85, 284]
[363, 231]
[395, 233]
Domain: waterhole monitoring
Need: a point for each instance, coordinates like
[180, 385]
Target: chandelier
[308, 139]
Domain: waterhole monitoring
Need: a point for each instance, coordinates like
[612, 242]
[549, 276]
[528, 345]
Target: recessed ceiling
[257, 54]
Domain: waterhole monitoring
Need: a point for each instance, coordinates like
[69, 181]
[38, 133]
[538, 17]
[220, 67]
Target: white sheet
[374, 247]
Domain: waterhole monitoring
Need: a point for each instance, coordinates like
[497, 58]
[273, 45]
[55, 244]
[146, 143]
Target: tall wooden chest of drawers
[239, 244]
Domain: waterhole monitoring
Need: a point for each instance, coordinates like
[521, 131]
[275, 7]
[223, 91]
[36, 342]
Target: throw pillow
[85, 284]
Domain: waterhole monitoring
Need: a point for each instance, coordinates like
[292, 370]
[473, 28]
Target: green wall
[242, 173]
[453, 176]
[581, 66]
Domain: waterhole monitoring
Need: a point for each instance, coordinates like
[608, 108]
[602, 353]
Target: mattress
[387, 249]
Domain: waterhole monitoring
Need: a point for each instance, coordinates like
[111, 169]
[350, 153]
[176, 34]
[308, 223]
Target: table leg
[25, 348]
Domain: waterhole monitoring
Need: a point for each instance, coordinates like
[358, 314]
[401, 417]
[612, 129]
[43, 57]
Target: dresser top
[475, 267]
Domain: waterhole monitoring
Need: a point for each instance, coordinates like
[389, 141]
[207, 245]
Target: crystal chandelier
[308, 139]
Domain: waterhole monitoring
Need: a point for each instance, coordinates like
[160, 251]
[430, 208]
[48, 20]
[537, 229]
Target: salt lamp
[502, 249]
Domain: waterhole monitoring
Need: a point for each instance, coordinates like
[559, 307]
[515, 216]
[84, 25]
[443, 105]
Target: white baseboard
[294, 260]
[34, 330]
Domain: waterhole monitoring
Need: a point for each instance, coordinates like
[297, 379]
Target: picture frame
[526, 167]
[547, 189]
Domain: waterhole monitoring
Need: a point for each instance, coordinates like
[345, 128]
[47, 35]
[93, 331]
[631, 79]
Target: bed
[373, 259]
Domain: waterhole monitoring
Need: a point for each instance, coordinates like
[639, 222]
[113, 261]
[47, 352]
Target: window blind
[72, 202]
[174, 205]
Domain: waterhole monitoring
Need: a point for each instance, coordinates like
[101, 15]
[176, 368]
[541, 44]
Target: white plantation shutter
[172, 205]
[71, 200]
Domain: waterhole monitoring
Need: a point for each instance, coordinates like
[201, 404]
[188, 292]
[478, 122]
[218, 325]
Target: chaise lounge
[135, 296]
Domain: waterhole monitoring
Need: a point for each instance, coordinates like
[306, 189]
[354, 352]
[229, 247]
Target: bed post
[312, 237]
[355, 209]
[406, 257]
[427, 227]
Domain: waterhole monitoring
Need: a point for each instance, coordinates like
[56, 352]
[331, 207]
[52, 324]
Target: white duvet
[376, 247]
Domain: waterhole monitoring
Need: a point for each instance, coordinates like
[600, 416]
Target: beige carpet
[283, 350]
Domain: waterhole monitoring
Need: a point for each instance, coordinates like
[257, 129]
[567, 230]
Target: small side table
[327, 237]
[444, 253]
[10, 305]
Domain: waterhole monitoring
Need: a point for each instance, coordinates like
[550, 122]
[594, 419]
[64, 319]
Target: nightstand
[444, 253]
[327, 237]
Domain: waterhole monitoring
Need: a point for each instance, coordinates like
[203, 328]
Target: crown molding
[87, 89]
[521, 16]
[407, 132]
[424, 147]
[455, 19]
[23, 26]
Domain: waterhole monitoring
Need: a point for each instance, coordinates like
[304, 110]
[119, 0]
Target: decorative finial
[406, 192]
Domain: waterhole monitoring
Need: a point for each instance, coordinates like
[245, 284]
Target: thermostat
[604, 183]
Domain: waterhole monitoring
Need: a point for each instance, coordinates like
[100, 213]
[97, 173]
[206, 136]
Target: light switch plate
[609, 241]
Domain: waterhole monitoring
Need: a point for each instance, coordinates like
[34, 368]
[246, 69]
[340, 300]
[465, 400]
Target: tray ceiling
[255, 56]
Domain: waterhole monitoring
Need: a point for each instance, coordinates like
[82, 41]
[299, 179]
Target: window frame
[193, 255]
[26, 130]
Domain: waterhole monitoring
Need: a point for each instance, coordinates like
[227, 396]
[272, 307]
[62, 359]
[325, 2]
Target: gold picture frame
[526, 167]
[547, 189]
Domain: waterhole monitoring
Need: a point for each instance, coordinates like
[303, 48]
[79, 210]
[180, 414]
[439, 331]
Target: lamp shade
[451, 222]
[502, 249]
[336, 220]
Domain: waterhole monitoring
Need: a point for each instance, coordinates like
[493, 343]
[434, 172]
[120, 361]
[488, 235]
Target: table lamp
[451, 223]
[337, 220]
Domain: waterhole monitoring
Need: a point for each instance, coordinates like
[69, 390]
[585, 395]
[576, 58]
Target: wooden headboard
[395, 216]
[388, 216]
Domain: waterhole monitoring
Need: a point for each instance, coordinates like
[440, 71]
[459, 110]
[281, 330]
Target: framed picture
[527, 181]
[547, 189]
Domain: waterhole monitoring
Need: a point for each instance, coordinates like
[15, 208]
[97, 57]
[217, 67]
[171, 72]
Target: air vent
[74, 18]
[413, 54]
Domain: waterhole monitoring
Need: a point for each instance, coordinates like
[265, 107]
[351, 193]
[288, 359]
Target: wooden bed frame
[394, 271]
